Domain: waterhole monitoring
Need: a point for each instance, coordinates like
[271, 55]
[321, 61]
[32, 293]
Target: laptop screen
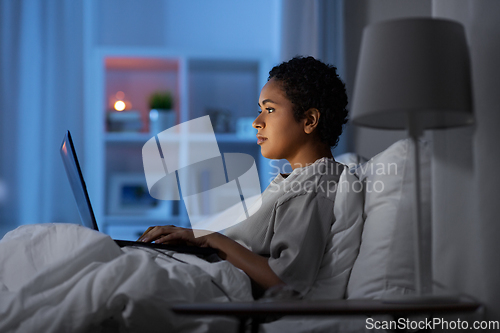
[78, 186]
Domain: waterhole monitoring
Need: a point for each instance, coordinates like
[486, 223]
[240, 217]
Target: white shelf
[141, 138]
[235, 138]
[127, 137]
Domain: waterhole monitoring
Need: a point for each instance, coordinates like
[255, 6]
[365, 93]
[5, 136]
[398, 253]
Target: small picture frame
[129, 195]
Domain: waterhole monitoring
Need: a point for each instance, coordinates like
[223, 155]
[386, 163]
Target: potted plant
[161, 114]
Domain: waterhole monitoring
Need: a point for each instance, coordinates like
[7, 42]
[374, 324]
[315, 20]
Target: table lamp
[414, 74]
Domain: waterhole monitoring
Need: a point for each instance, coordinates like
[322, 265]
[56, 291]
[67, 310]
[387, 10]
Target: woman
[302, 113]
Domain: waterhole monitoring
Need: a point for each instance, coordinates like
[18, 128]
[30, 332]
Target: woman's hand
[170, 234]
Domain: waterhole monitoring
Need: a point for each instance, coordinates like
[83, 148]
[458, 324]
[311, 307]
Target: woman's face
[279, 134]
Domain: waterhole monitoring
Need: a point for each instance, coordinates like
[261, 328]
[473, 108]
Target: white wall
[466, 181]
[465, 178]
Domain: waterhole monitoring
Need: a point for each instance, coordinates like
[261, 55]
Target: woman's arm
[254, 265]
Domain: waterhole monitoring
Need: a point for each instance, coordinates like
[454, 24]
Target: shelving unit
[200, 84]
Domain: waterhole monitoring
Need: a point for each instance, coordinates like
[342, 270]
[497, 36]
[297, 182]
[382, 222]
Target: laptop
[87, 217]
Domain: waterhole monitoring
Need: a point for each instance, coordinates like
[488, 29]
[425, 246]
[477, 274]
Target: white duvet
[66, 278]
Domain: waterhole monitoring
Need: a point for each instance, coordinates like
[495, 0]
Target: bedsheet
[67, 278]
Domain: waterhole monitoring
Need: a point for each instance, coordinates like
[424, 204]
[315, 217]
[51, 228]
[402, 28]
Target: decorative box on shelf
[124, 121]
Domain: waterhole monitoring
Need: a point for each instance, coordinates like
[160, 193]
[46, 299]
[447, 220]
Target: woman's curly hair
[309, 83]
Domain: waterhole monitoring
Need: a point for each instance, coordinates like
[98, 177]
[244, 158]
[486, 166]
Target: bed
[66, 278]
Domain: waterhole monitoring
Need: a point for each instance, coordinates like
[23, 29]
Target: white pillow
[385, 264]
[343, 245]
[352, 160]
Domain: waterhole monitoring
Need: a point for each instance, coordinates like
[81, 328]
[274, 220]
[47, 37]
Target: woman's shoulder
[318, 179]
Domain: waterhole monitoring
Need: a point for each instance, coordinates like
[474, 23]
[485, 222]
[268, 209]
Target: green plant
[161, 100]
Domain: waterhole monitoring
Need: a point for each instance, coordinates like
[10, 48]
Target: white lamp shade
[418, 67]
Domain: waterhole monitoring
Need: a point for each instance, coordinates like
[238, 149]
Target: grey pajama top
[293, 223]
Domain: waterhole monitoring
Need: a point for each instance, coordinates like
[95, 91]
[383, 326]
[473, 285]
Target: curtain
[41, 96]
[316, 28]
[313, 27]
